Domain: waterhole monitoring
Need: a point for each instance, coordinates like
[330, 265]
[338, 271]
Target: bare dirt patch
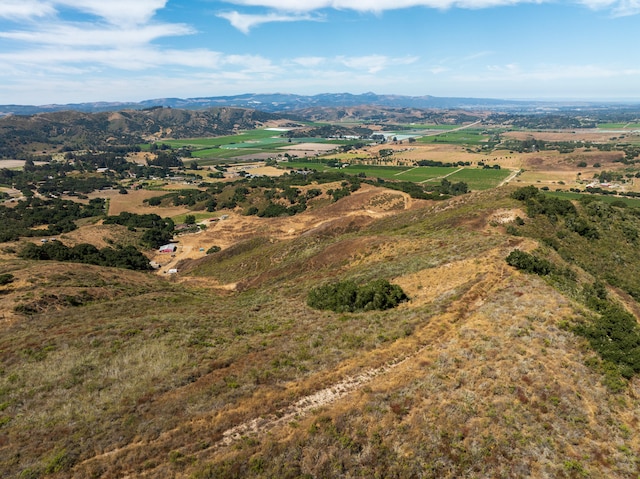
[140, 157]
[505, 216]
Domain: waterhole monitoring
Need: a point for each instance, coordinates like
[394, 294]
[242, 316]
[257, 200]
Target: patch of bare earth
[140, 157]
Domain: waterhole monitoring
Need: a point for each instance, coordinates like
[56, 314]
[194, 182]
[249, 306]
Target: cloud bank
[73, 50]
[383, 5]
[293, 10]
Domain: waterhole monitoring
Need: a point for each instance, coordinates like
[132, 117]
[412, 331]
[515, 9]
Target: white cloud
[309, 62]
[560, 81]
[296, 10]
[117, 12]
[546, 73]
[374, 5]
[619, 8]
[24, 9]
[121, 37]
[245, 22]
[374, 63]
[137, 58]
[89, 35]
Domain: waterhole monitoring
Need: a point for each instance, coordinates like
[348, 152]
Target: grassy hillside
[225, 371]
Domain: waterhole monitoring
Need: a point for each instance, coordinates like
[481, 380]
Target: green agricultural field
[433, 127]
[387, 172]
[425, 173]
[312, 165]
[345, 156]
[220, 153]
[462, 137]
[480, 178]
[619, 126]
[249, 136]
[247, 143]
[476, 178]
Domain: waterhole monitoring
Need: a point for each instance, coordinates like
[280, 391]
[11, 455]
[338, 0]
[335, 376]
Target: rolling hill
[224, 370]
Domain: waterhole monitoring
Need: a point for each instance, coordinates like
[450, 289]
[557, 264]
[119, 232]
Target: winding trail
[310, 402]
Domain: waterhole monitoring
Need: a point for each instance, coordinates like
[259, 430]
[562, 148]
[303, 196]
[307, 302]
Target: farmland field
[480, 179]
[619, 126]
[254, 135]
[462, 137]
[219, 153]
[476, 178]
[433, 127]
[247, 143]
[425, 173]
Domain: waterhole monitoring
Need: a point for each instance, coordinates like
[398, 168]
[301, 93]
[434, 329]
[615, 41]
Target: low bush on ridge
[346, 296]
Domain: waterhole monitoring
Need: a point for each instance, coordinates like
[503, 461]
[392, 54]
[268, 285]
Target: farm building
[168, 248]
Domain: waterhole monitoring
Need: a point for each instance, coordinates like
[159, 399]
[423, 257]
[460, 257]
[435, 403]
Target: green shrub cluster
[537, 203]
[615, 335]
[347, 296]
[446, 164]
[262, 196]
[127, 257]
[159, 232]
[60, 215]
[425, 191]
[529, 263]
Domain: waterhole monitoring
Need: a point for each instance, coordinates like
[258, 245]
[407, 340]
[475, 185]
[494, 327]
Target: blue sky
[66, 51]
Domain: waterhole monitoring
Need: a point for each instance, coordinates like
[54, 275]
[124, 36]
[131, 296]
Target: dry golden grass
[473, 377]
[133, 203]
[594, 135]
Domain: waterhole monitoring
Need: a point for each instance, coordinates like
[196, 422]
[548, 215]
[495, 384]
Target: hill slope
[477, 375]
[127, 127]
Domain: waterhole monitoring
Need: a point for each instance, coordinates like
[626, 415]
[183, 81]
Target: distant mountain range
[281, 102]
